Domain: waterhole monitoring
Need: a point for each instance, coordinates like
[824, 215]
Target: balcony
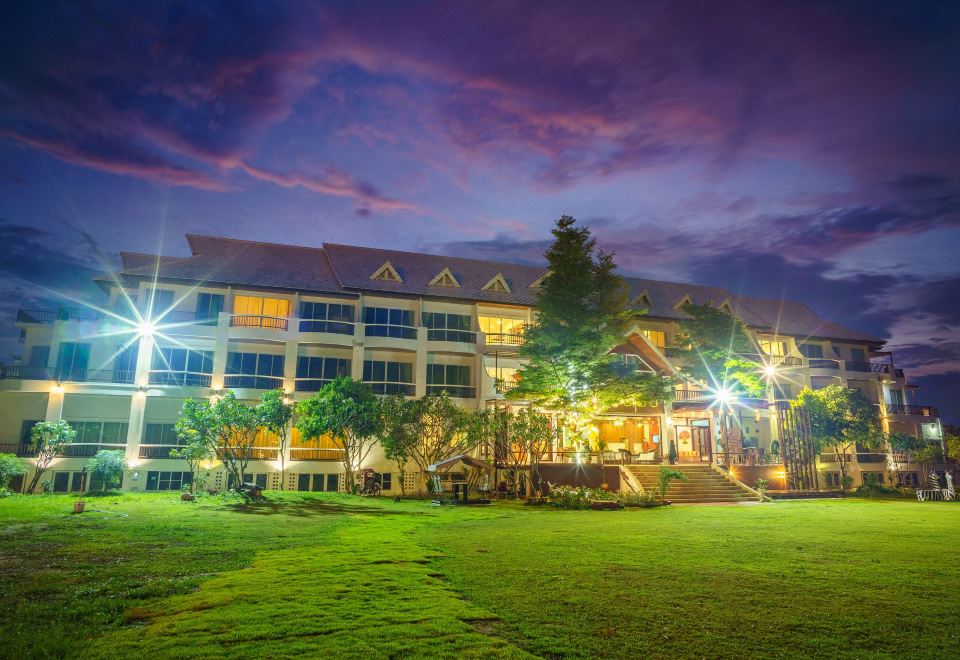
[458, 391]
[316, 455]
[156, 451]
[386, 387]
[310, 384]
[330, 327]
[502, 386]
[69, 375]
[823, 363]
[18, 448]
[692, 396]
[901, 409]
[784, 360]
[86, 451]
[180, 378]
[462, 336]
[504, 339]
[252, 381]
[256, 321]
[390, 330]
[867, 367]
[36, 316]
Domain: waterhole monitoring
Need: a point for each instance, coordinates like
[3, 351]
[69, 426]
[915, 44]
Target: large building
[249, 316]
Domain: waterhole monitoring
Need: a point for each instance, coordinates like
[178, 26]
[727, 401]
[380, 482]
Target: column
[356, 359]
[420, 366]
[221, 347]
[291, 350]
[138, 402]
[54, 404]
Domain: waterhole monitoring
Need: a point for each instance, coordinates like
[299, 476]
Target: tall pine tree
[583, 313]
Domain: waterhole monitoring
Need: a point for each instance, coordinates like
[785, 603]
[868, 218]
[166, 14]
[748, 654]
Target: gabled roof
[497, 283]
[347, 269]
[387, 273]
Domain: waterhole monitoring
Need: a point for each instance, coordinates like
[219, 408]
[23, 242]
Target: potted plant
[761, 487]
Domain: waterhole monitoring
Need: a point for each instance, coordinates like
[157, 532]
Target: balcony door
[72, 359]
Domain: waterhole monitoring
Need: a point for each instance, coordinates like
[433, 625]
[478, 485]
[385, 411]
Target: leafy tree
[399, 434]
[11, 466]
[712, 346]
[229, 427]
[195, 428]
[108, 466]
[901, 445]
[443, 430]
[841, 419]
[48, 439]
[583, 313]
[349, 412]
[532, 435]
[275, 414]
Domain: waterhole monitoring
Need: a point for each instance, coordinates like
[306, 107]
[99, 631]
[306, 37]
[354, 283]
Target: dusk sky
[804, 149]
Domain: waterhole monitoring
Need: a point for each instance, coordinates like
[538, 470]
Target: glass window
[303, 482]
[657, 337]
[161, 434]
[254, 370]
[73, 357]
[333, 482]
[25, 429]
[389, 322]
[811, 350]
[209, 306]
[180, 366]
[448, 327]
[774, 348]
[858, 355]
[389, 377]
[157, 301]
[315, 372]
[126, 360]
[452, 378]
[39, 356]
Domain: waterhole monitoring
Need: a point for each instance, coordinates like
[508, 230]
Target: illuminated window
[257, 306]
[657, 337]
[774, 348]
[501, 325]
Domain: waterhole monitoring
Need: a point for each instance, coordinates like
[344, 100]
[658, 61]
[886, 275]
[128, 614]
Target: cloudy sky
[775, 148]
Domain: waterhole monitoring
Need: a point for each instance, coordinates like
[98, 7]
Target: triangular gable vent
[683, 302]
[643, 300]
[537, 283]
[497, 284]
[445, 278]
[726, 308]
[386, 273]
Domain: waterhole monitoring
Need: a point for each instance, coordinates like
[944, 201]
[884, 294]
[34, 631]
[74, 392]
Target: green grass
[315, 574]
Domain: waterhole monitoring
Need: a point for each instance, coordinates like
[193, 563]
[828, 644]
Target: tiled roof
[355, 265]
[248, 263]
[348, 269]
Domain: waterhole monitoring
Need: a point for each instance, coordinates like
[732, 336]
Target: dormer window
[497, 284]
[643, 300]
[683, 302]
[537, 283]
[386, 273]
[445, 278]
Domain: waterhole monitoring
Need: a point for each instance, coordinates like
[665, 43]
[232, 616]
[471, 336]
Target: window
[181, 366]
[260, 479]
[634, 363]
[388, 322]
[125, 364]
[39, 356]
[93, 432]
[907, 479]
[161, 434]
[326, 317]
[896, 398]
[254, 370]
[157, 480]
[811, 350]
[783, 391]
[386, 273]
[858, 356]
[832, 479]
[209, 306]
[72, 359]
[452, 378]
[773, 348]
[157, 302]
[25, 428]
[303, 482]
[497, 284]
[872, 478]
[501, 330]
[448, 327]
[333, 483]
[257, 312]
[318, 481]
[385, 479]
[315, 372]
[657, 337]
[389, 377]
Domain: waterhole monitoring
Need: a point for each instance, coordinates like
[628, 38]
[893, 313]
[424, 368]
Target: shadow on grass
[311, 508]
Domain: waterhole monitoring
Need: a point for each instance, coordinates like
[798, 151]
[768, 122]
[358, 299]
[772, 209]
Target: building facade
[249, 317]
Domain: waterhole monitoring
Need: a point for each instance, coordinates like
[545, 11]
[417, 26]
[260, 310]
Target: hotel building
[249, 316]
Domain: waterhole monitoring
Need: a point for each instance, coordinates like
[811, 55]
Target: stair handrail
[631, 480]
[732, 479]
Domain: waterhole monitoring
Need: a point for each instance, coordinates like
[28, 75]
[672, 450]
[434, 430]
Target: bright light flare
[770, 370]
[146, 328]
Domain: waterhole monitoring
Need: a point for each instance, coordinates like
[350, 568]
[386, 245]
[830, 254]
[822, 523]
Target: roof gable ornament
[643, 300]
[445, 278]
[498, 284]
[686, 300]
[726, 308]
[387, 273]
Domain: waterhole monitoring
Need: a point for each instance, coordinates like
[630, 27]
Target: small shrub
[639, 499]
[47, 486]
[872, 487]
[11, 466]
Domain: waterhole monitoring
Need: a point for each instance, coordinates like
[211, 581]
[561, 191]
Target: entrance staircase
[704, 485]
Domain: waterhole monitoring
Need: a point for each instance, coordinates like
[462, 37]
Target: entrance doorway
[693, 441]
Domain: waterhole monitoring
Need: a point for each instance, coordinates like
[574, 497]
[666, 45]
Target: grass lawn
[316, 574]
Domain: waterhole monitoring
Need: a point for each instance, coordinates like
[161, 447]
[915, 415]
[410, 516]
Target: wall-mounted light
[57, 389]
